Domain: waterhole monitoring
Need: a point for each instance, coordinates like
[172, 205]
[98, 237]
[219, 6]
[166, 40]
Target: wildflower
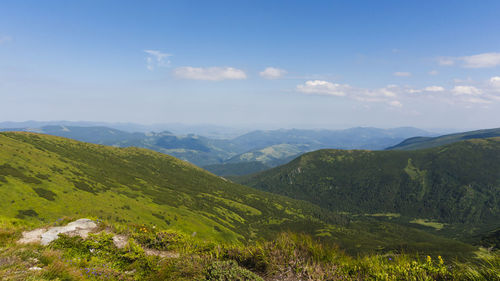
[441, 262]
[429, 259]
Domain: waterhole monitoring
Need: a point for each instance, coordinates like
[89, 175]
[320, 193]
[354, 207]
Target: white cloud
[433, 72]
[446, 61]
[495, 81]
[466, 90]
[210, 73]
[320, 87]
[414, 91]
[395, 103]
[475, 93]
[385, 95]
[272, 73]
[5, 39]
[156, 59]
[386, 92]
[482, 60]
[434, 89]
[402, 74]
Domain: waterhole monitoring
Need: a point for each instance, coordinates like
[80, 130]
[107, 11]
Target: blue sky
[308, 64]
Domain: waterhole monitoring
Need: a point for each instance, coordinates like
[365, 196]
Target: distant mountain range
[428, 142]
[208, 130]
[259, 150]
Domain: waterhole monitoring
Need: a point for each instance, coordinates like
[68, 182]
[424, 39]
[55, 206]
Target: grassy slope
[236, 169]
[426, 142]
[43, 178]
[458, 184]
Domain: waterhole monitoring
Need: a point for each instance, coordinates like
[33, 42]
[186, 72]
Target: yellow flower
[440, 260]
[429, 259]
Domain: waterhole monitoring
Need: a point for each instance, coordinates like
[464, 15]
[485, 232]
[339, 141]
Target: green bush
[229, 271]
[159, 240]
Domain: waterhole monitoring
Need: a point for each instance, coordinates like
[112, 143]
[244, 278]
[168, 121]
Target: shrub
[229, 271]
[22, 214]
[45, 193]
[6, 236]
[61, 271]
[161, 240]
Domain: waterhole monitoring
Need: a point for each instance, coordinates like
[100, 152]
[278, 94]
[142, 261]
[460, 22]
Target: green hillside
[44, 178]
[428, 142]
[236, 169]
[453, 188]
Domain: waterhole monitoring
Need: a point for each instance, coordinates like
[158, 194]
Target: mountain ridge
[456, 184]
[415, 143]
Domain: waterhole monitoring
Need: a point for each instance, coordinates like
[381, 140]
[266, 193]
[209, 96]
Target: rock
[120, 241]
[81, 227]
[33, 236]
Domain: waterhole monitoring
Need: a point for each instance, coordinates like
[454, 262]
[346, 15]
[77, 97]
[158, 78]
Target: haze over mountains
[250, 152]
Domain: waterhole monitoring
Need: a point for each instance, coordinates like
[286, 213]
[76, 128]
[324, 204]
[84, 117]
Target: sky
[269, 64]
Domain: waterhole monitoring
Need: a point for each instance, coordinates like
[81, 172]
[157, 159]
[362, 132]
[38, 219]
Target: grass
[435, 225]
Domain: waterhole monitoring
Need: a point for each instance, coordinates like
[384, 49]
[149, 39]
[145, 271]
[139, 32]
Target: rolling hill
[43, 178]
[428, 142]
[456, 186]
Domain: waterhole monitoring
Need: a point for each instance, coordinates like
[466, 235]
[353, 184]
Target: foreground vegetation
[152, 253]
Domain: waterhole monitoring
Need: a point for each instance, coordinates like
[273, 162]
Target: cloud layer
[210, 73]
[482, 93]
[386, 95]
